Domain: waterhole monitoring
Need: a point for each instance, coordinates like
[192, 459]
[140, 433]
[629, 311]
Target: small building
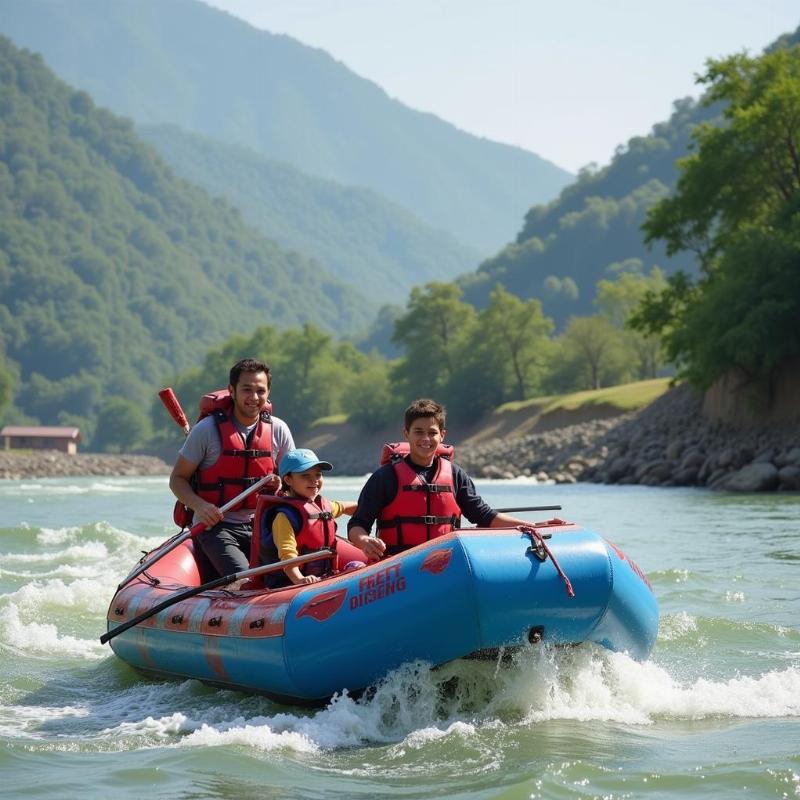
[41, 437]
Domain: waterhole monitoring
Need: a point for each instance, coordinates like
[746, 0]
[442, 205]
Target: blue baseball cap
[301, 460]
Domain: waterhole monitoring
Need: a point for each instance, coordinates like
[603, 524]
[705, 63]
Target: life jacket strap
[425, 519]
[248, 453]
[429, 488]
[245, 482]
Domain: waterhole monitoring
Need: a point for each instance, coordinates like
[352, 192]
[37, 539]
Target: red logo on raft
[633, 565]
[372, 587]
[323, 606]
[436, 561]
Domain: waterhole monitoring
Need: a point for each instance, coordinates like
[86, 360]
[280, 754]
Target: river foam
[415, 705]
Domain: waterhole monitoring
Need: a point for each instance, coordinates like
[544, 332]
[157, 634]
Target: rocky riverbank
[54, 464]
[668, 443]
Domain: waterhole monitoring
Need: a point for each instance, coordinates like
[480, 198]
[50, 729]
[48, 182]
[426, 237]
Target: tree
[618, 299]
[737, 207]
[379, 334]
[308, 386]
[514, 334]
[598, 349]
[6, 388]
[744, 318]
[432, 332]
[368, 397]
[121, 425]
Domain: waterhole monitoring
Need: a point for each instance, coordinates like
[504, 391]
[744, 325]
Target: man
[222, 456]
[420, 496]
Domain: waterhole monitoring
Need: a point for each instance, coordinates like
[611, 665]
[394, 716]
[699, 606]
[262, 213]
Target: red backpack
[393, 451]
[219, 400]
[210, 402]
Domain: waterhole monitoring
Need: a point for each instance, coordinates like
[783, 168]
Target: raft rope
[151, 578]
[540, 549]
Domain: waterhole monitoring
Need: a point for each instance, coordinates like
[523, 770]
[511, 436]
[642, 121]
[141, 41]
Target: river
[714, 713]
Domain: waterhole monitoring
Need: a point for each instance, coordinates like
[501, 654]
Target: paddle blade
[174, 407]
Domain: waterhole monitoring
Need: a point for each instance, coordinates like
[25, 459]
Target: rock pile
[669, 443]
[55, 464]
[563, 455]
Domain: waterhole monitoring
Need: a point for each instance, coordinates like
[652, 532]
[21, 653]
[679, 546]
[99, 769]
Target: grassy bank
[625, 397]
[353, 450]
[558, 411]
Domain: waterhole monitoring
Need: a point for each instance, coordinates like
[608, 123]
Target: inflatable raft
[464, 594]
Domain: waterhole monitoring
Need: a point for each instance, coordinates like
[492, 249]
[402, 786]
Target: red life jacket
[419, 511]
[314, 528]
[216, 403]
[238, 466]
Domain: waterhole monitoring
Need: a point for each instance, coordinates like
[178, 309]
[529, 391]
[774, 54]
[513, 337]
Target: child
[421, 496]
[302, 521]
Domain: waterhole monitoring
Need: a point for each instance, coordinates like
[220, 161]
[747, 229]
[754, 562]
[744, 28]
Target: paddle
[529, 508]
[326, 552]
[181, 513]
[172, 405]
[193, 531]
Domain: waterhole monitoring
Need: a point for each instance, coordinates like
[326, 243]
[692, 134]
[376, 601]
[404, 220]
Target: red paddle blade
[174, 407]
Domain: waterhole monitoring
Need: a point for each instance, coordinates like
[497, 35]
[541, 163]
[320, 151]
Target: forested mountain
[184, 63]
[594, 227]
[114, 272]
[359, 236]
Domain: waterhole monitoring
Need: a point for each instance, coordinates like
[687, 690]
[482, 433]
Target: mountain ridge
[592, 230]
[287, 101]
[114, 272]
[359, 236]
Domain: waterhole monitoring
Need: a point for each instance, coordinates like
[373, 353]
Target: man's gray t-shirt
[202, 447]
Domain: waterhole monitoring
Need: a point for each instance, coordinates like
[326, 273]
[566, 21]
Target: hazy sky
[567, 79]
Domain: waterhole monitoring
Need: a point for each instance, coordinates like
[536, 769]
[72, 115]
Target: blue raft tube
[465, 594]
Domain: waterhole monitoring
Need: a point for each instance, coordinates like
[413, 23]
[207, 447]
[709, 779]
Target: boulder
[674, 450]
[660, 470]
[756, 477]
[687, 476]
[790, 458]
[726, 458]
[789, 478]
[693, 457]
[619, 468]
[768, 454]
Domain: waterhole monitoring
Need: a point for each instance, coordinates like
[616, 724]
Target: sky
[569, 80]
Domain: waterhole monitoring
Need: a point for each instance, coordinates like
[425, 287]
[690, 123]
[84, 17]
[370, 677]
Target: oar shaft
[326, 552]
[529, 508]
[193, 531]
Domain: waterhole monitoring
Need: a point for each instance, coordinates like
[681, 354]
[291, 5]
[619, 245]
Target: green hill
[115, 273]
[355, 233]
[181, 62]
[594, 226]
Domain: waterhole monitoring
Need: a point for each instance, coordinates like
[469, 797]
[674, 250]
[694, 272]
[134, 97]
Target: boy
[421, 496]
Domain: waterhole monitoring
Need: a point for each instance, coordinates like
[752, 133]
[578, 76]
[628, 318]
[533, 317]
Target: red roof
[41, 431]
